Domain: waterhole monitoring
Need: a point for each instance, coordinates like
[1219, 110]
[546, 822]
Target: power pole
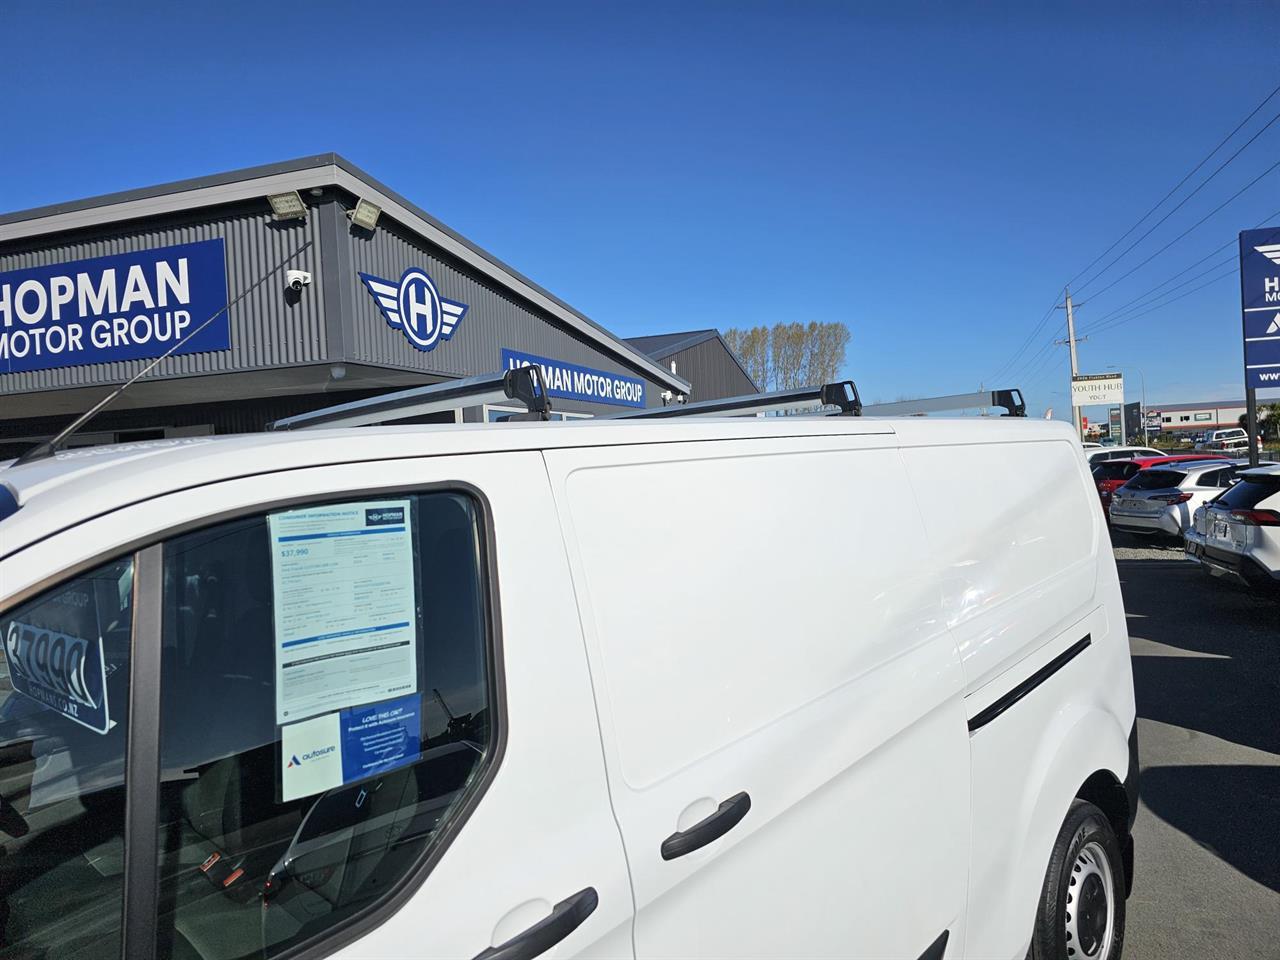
[1075, 365]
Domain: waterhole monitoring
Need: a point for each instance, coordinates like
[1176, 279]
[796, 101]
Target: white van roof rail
[842, 394]
[523, 384]
[1010, 399]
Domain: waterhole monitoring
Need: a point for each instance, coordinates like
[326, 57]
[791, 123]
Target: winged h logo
[1271, 251]
[414, 307]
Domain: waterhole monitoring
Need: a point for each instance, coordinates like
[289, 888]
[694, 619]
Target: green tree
[790, 355]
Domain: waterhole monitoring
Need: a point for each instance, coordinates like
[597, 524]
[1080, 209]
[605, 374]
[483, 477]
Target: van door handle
[566, 916]
[727, 816]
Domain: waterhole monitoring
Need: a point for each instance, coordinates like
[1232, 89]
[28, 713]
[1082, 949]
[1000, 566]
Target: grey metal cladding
[495, 317]
[266, 331]
[712, 370]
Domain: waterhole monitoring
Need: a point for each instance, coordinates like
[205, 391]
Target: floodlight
[287, 206]
[365, 215]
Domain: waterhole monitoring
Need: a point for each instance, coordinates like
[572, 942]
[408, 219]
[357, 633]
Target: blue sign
[579, 383]
[380, 737]
[1260, 300]
[415, 308]
[122, 307]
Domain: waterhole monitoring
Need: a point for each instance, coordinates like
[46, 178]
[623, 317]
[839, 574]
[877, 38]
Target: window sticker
[63, 672]
[349, 745]
[345, 606]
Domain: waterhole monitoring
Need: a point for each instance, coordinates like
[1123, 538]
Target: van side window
[64, 702]
[325, 707]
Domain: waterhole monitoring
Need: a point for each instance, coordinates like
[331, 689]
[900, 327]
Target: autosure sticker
[349, 745]
[345, 606]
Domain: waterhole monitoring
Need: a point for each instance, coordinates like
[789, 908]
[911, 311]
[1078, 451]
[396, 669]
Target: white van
[704, 688]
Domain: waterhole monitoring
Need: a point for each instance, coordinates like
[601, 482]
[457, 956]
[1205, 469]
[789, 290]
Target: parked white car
[1163, 500]
[1228, 440]
[1238, 534]
[631, 690]
[1121, 453]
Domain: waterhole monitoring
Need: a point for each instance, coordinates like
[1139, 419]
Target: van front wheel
[1081, 914]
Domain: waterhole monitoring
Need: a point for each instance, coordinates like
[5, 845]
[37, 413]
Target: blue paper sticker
[380, 737]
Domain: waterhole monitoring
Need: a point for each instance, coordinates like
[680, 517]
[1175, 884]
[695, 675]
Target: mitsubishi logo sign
[414, 307]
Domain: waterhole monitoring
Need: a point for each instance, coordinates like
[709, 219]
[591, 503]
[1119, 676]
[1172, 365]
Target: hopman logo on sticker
[386, 515]
[415, 308]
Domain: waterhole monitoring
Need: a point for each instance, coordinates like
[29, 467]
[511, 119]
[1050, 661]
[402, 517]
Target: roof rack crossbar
[842, 394]
[1010, 399]
[523, 384]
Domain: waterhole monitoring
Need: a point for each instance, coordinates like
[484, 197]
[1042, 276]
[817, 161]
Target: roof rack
[842, 394]
[1011, 400]
[523, 384]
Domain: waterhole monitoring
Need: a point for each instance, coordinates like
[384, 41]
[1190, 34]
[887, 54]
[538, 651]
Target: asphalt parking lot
[1206, 664]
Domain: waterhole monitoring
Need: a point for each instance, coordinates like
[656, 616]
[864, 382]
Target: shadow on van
[1228, 809]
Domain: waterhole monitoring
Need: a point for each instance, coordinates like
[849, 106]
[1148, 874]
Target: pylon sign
[1260, 300]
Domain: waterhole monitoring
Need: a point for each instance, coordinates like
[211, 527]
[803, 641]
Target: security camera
[297, 279]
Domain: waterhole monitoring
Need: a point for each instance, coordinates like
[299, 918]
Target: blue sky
[929, 176]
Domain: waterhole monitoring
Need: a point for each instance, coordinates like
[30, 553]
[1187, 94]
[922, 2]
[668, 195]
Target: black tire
[1081, 913]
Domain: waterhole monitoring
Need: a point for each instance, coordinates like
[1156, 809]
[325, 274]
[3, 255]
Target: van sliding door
[779, 698]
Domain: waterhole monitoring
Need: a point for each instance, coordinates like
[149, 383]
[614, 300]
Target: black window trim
[139, 909]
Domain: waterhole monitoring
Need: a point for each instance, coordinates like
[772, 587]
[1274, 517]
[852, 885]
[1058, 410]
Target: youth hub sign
[121, 307]
[579, 383]
[1260, 296]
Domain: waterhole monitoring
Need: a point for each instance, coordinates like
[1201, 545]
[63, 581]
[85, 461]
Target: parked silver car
[1163, 500]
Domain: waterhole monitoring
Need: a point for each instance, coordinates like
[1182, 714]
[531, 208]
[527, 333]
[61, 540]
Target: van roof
[52, 494]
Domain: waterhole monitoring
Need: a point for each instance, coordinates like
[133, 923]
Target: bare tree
[790, 355]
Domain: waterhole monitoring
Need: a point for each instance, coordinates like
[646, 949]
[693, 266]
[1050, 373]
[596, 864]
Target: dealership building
[288, 288]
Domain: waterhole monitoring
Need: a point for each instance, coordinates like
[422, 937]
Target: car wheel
[1081, 914]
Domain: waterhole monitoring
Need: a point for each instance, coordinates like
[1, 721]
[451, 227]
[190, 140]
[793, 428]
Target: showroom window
[326, 707]
[64, 701]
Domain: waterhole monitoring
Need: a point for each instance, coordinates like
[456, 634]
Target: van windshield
[1155, 480]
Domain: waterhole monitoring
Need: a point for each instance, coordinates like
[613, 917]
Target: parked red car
[1110, 475]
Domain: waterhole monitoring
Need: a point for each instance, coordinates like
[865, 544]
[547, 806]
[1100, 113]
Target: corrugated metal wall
[495, 318]
[711, 370]
[266, 330]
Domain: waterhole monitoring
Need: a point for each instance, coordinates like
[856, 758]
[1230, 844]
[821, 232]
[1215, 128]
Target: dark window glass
[64, 699]
[1115, 470]
[1249, 492]
[1155, 479]
[325, 706]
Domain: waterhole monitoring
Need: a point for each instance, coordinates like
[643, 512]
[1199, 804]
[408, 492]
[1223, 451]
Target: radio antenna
[50, 447]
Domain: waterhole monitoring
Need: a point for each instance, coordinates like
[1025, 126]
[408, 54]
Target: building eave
[323, 170]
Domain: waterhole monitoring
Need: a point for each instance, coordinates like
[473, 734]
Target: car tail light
[1257, 518]
[1173, 497]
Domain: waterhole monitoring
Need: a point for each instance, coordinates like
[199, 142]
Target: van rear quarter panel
[1028, 571]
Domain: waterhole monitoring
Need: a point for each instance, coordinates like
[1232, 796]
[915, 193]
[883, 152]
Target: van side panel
[790, 645]
[1017, 533]
[1030, 574]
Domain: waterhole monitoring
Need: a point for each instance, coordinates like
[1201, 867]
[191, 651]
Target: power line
[1184, 233]
[1179, 204]
[1189, 267]
[1179, 185]
[1115, 323]
[1008, 364]
[1103, 321]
